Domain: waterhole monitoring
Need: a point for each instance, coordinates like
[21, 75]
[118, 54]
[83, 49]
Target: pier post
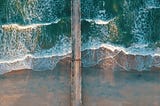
[76, 99]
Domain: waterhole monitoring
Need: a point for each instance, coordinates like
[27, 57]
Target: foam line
[31, 26]
[99, 21]
[48, 62]
[134, 49]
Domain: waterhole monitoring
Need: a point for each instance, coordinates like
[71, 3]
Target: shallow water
[103, 87]
[100, 87]
[116, 35]
[32, 88]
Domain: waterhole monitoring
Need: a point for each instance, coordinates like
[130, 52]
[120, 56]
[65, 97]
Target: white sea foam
[99, 21]
[39, 62]
[31, 62]
[150, 4]
[43, 59]
[31, 26]
[135, 49]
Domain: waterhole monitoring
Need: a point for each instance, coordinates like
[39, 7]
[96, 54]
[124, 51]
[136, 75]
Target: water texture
[38, 31]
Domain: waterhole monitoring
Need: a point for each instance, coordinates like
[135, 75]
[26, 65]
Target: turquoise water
[41, 29]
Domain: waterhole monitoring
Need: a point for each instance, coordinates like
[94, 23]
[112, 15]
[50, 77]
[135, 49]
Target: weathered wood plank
[76, 53]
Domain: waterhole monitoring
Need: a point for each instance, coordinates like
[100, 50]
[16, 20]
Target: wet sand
[101, 87]
[30, 88]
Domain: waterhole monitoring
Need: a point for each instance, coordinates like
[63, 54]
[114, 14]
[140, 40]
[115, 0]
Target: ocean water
[36, 34]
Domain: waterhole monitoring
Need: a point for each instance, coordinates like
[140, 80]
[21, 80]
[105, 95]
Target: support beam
[76, 99]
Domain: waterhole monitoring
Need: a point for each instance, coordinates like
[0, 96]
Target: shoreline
[100, 87]
[102, 57]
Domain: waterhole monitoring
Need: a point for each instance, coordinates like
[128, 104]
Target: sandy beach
[31, 88]
[101, 87]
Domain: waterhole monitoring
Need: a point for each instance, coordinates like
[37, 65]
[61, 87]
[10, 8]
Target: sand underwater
[101, 87]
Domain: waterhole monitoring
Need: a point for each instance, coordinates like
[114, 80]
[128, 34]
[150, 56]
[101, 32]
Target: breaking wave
[37, 35]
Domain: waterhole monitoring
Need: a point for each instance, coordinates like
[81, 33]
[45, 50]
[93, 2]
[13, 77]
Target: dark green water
[41, 28]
